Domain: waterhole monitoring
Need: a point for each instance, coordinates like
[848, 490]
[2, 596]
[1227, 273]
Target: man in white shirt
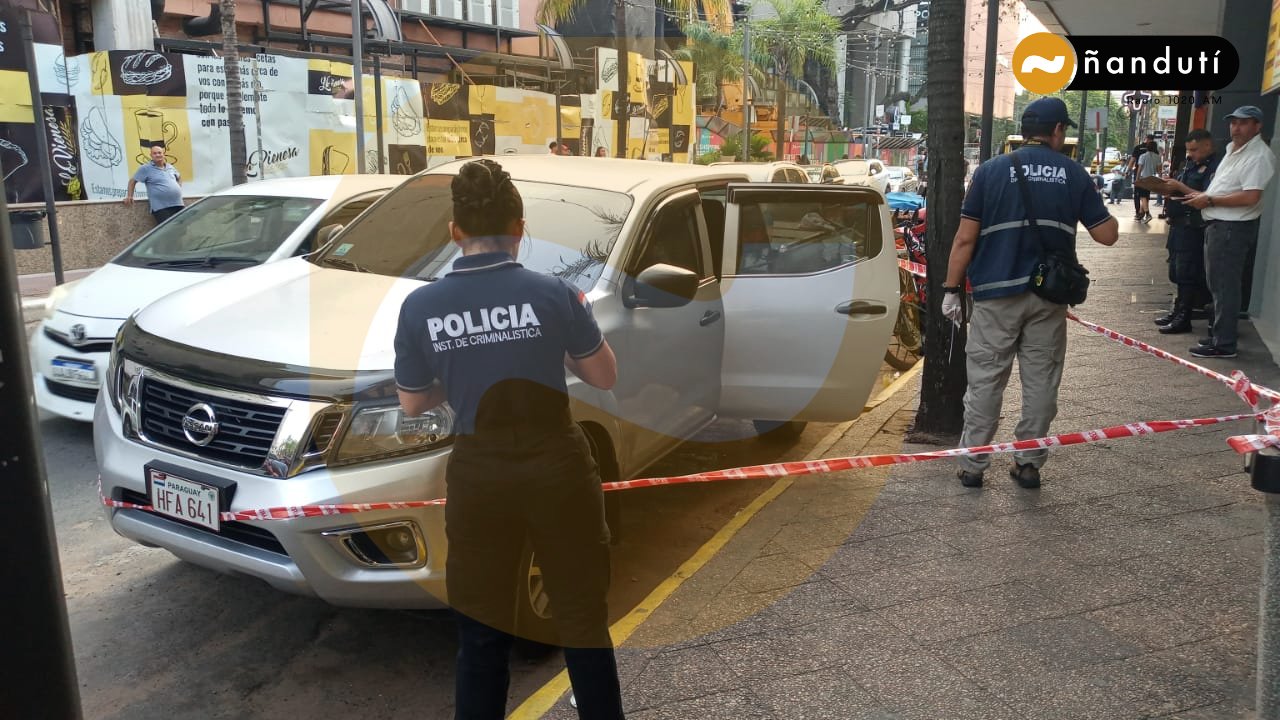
[1231, 206]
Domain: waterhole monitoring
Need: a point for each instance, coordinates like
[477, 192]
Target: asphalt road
[158, 638]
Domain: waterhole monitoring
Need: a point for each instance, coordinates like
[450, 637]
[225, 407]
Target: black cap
[1047, 111]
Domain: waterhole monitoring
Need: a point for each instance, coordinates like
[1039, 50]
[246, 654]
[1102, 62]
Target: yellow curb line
[540, 702]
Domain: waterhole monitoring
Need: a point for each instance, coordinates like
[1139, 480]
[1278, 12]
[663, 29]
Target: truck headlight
[383, 431]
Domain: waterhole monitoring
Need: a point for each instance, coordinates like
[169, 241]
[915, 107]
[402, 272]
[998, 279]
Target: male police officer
[1186, 235]
[998, 251]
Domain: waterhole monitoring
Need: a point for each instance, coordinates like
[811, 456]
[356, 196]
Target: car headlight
[383, 431]
[56, 296]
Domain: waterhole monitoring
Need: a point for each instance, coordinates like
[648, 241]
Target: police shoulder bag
[1057, 276]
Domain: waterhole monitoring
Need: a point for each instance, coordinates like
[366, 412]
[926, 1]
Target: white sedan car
[779, 171]
[237, 228]
[870, 173]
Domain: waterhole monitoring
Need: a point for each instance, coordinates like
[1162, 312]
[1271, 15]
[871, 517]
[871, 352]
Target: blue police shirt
[490, 321]
[163, 190]
[1008, 250]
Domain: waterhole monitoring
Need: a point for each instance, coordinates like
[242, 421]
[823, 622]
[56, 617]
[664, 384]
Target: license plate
[84, 371]
[183, 499]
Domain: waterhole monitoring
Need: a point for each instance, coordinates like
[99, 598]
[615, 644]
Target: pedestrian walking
[1148, 167]
[1019, 214]
[1231, 206]
[520, 469]
[1186, 235]
[163, 184]
[1132, 166]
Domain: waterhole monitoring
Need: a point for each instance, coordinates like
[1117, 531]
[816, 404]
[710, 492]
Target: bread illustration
[145, 68]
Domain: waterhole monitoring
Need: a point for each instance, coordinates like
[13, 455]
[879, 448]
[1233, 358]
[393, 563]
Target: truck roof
[633, 177]
[320, 187]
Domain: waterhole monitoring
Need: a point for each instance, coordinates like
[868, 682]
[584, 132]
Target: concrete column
[122, 25]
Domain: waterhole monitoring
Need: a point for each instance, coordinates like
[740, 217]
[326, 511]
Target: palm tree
[940, 416]
[717, 60]
[551, 12]
[802, 30]
[235, 98]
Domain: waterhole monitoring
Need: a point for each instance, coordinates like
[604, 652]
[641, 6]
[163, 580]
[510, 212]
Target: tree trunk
[780, 105]
[622, 102]
[940, 417]
[235, 100]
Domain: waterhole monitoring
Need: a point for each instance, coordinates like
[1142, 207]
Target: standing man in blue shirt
[998, 251]
[163, 183]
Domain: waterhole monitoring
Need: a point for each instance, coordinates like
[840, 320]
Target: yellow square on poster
[151, 120]
[570, 122]
[448, 137]
[606, 104]
[100, 74]
[15, 97]
[333, 153]
[637, 78]
[482, 100]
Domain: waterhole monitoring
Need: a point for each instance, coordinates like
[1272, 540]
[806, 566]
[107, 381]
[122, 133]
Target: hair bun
[479, 184]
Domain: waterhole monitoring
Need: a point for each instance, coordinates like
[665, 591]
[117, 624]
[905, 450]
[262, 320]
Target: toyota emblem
[77, 333]
[200, 424]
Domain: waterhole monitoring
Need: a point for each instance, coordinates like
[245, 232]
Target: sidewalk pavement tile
[1125, 587]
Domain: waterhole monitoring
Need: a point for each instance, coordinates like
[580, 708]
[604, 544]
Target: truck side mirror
[661, 286]
[326, 233]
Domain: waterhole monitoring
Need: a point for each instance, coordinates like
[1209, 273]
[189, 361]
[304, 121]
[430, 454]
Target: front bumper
[291, 555]
[67, 398]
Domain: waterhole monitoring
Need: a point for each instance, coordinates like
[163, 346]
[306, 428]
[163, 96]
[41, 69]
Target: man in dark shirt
[1186, 235]
[1135, 161]
[998, 252]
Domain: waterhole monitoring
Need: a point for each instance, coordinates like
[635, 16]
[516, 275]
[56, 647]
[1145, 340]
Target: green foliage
[717, 58]
[731, 148]
[802, 30]
[708, 158]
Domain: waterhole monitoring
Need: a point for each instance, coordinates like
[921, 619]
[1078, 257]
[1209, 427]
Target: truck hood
[289, 312]
[115, 291]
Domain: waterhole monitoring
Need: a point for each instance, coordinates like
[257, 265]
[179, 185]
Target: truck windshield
[222, 232]
[571, 231]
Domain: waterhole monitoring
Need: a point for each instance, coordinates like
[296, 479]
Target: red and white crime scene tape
[1252, 394]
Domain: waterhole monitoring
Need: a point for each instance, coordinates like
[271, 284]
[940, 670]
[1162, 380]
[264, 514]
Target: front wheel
[907, 342]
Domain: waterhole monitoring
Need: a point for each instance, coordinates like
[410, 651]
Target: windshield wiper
[210, 261]
[343, 263]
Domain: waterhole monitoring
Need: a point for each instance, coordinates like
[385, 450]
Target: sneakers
[1205, 342]
[970, 479]
[1212, 351]
[1027, 476]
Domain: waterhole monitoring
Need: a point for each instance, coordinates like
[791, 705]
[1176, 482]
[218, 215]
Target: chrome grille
[89, 345]
[245, 430]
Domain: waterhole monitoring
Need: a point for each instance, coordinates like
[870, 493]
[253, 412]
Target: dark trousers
[1186, 265]
[165, 213]
[1227, 248]
[544, 488]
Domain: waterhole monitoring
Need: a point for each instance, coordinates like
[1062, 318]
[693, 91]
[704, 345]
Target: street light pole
[357, 72]
[746, 101]
[989, 81]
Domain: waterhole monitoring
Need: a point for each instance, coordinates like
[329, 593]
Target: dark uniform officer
[494, 340]
[1186, 237]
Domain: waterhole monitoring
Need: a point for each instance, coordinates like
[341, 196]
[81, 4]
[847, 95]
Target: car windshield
[220, 233]
[854, 167]
[571, 231]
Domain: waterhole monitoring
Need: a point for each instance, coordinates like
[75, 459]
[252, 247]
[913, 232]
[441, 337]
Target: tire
[536, 633]
[907, 342]
[535, 628]
[779, 430]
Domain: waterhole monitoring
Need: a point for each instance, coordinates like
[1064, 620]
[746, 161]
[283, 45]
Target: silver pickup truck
[273, 386]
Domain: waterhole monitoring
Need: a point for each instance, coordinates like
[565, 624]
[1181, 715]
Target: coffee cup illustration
[154, 130]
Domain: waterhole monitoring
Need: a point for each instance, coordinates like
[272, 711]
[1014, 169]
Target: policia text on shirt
[493, 339]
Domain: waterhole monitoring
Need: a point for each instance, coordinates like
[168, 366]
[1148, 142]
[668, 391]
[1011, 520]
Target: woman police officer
[494, 340]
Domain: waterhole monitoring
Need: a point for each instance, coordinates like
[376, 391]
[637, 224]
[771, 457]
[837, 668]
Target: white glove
[953, 307]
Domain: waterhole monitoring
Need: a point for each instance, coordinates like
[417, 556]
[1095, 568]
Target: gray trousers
[1227, 246]
[1035, 331]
